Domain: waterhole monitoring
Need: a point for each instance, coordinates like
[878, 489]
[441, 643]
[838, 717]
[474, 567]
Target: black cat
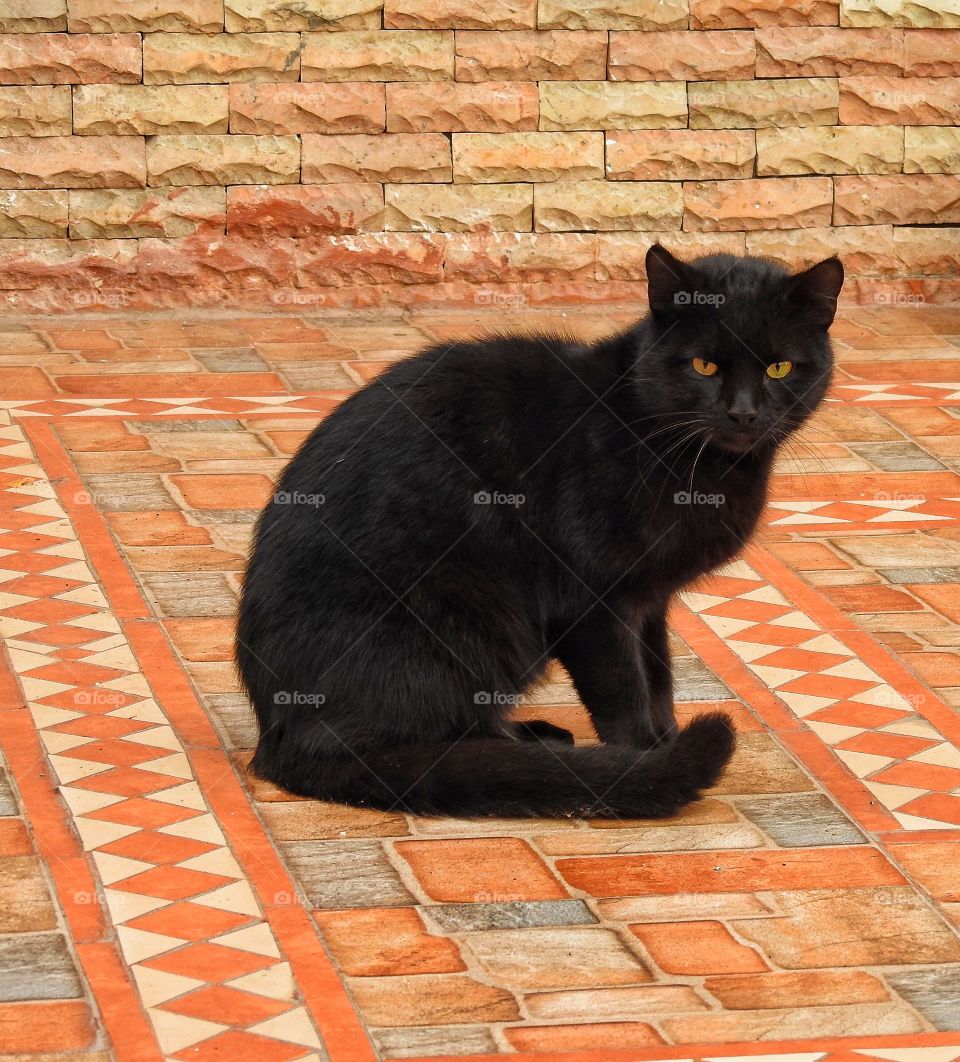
[485, 506]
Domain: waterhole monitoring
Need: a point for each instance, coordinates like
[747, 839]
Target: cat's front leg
[659, 720]
[620, 666]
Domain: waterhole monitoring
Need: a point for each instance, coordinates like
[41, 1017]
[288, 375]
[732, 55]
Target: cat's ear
[670, 283]
[816, 290]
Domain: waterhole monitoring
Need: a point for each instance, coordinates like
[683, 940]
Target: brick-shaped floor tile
[481, 870]
[224, 492]
[386, 941]
[800, 868]
[341, 874]
[868, 1019]
[26, 907]
[697, 948]
[36, 966]
[935, 865]
[804, 989]
[852, 927]
[611, 1035]
[643, 1003]
[445, 999]
[29, 1027]
[567, 957]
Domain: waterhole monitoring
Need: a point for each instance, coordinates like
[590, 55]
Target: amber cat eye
[779, 369]
[706, 368]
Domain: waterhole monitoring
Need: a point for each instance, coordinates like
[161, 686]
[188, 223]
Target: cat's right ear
[670, 283]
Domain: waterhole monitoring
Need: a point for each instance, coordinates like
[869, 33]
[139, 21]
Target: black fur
[485, 506]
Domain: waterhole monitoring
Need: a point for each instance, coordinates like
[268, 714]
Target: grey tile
[233, 359]
[897, 456]
[306, 375]
[693, 681]
[338, 874]
[448, 1040]
[796, 820]
[158, 426]
[235, 717]
[470, 917]
[921, 575]
[8, 802]
[36, 966]
[934, 991]
[129, 492]
[191, 593]
[212, 517]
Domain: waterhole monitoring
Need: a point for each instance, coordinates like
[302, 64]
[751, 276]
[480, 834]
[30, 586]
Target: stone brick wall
[295, 152]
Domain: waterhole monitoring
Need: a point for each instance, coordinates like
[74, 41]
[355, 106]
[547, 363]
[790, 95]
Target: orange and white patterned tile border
[892, 739]
[190, 926]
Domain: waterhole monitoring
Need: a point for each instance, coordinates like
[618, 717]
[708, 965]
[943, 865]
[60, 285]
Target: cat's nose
[743, 415]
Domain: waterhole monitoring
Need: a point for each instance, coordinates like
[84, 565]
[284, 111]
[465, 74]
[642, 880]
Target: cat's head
[737, 346]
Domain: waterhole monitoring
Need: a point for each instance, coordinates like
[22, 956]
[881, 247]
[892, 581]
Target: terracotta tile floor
[160, 904]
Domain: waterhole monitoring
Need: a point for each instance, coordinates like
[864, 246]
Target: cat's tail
[516, 779]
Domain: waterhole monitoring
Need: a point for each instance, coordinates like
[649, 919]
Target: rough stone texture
[341, 874]
[756, 104]
[555, 957]
[779, 203]
[928, 252]
[503, 157]
[378, 55]
[33, 214]
[40, 110]
[211, 58]
[460, 14]
[417, 1042]
[223, 160]
[373, 258]
[526, 55]
[829, 149]
[899, 101]
[472, 917]
[390, 158]
[866, 250]
[314, 108]
[430, 999]
[815, 51]
[900, 200]
[458, 207]
[568, 105]
[36, 966]
[489, 107]
[681, 55]
[487, 258]
[304, 210]
[800, 820]
[246, 16]
[146, 16]
[32, 16]
[934, 992]
[679, 154]
[852, 927]
[132, 109]
[931, 149]
[930, 53]
[919, 13]
[114, 214]
[612, 14]
[69, 59]
[621, 256]
[733, 14]
[602, 206]
[72, 162]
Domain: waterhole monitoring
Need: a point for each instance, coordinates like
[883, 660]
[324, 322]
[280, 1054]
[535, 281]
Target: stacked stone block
[356, 151]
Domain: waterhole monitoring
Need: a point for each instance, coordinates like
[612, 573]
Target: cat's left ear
[817, 289]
